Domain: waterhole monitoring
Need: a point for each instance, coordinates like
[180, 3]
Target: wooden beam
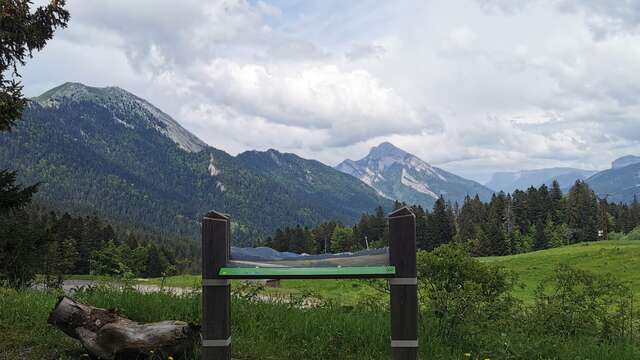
[216, 292]
[404, 288]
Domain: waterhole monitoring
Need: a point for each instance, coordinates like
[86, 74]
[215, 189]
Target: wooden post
[404, 287]
[216, 292]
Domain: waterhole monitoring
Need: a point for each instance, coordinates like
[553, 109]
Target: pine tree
[13, 196]
[520, 211]
[540, 241]
[280, 241]
[471, 215]
[322, 236]
[59, 259]
[439, 226]
[21, 33]
[582, 212]
[22, 246]
[555, 197]
[635, 211]
[452, 221]
[154, 263]
[495, 242]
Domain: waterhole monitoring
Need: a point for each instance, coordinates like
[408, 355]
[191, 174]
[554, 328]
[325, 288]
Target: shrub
[576, 302]
[459, 290]
[616, 236]
[633, 234]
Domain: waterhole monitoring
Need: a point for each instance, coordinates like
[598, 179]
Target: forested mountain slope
[618, 184]
[108, 151]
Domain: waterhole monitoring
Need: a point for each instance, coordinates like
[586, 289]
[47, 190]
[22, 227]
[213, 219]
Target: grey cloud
[464, 83]
[605, 17]
[365, 51]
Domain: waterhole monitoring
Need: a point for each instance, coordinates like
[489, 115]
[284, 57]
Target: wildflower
[467, 354]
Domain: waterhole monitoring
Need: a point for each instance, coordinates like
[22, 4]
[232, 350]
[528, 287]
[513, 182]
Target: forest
[535, 219]
[35, 240]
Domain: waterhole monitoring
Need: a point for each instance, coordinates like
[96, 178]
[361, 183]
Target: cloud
[365, 51]
[471, 85]
[350, 106]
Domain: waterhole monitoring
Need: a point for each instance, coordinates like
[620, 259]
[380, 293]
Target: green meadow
[620, 258]
[346, 322]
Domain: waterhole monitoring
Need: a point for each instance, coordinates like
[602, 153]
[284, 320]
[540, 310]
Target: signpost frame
[216, 290]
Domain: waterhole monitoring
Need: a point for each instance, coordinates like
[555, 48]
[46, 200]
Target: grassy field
[271, 331]
[620, 258]
[263, 330]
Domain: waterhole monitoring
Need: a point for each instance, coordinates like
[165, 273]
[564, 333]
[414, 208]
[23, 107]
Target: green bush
[633, 234]
[463, 293]
[616, 236]
[580, 303]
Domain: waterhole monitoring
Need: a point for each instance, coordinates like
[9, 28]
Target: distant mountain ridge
[509, 181]
[625, 161]
[108, 151]
[621, 183]
[399, 175]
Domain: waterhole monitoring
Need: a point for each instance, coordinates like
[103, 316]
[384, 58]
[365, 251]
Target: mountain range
[621, 183]
[624, 161]
[398, 175]
[522, 180]
[107, 151]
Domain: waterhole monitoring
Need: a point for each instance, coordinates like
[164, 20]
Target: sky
[472, 86]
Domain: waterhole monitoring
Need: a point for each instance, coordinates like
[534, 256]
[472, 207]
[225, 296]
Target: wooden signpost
[216, 292]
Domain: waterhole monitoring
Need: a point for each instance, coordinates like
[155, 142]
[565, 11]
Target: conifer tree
[540, 241]
[582, 212]
[21, 33]
[555, 196]
[154, 263]
[440, 228]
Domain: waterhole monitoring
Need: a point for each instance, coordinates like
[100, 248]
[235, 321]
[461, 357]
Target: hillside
[625, 161]
[619, 184]
[108, 151]
[621, 258]
[522, 180]
[399, 175]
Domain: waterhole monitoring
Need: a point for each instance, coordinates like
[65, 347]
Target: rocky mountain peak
[397, 174]
[387, 150]
[126, 109]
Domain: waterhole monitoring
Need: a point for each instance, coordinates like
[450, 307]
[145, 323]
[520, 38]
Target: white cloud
[472, 85]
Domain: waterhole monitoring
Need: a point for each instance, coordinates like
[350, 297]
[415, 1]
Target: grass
[272, 331]
[278, 331]
[620, 258]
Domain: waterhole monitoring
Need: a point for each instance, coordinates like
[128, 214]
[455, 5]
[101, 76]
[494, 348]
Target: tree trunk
[107, 335]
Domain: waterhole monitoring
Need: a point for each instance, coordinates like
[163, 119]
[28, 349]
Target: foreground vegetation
[466, 307]
[620, 258]
[272, 331]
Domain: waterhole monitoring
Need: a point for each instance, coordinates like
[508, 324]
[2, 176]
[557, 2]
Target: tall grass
[280, 331]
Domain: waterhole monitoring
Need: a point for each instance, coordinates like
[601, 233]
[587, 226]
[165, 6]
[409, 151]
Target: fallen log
[105, 334]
